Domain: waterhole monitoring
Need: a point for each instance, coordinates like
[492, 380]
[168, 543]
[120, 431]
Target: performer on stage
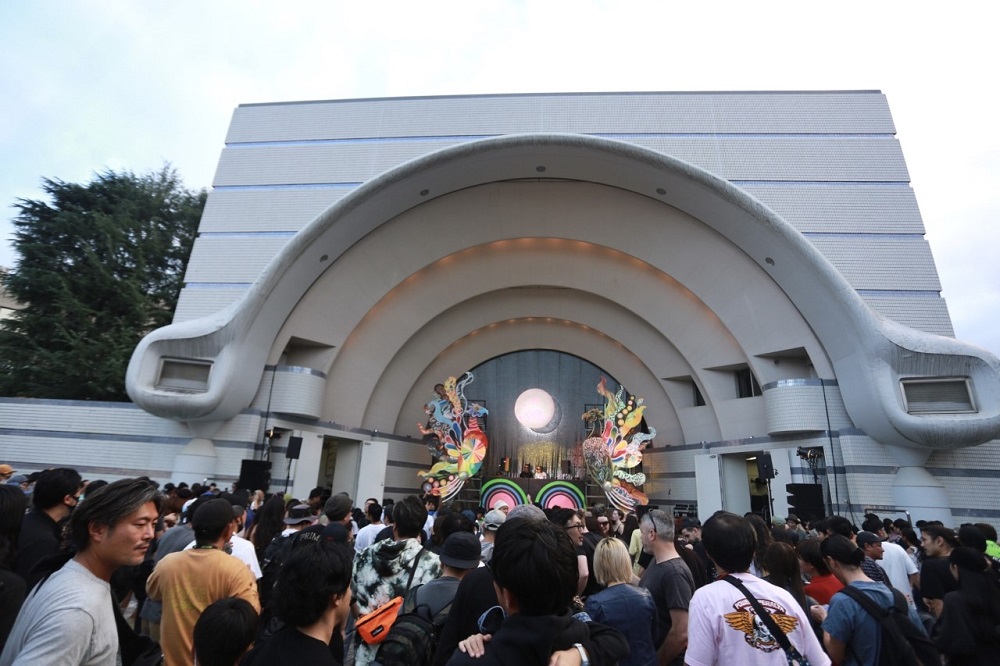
[525, 471]
[540, 473]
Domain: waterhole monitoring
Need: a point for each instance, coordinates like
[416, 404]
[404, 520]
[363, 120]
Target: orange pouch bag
[374, 627]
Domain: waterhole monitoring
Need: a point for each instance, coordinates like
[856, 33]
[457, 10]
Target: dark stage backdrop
[572, 383]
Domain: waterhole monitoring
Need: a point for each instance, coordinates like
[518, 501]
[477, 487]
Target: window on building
[746, 384]
[938, 395]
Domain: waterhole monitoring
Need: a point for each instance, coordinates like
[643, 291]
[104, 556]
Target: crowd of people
[128, 572]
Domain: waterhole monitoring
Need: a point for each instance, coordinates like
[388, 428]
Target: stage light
[534, 408]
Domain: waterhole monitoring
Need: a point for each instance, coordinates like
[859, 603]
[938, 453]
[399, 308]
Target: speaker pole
[770, 501]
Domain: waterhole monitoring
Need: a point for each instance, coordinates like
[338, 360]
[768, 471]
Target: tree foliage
[100, 265]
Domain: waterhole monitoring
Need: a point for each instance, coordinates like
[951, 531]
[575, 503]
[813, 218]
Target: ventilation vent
[183, 375]
[938, 396]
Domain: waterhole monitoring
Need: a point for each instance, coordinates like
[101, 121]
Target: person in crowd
[793, 524]
[382, 571]
[57, 492]
[338, 509]
[992, 548]
[782, 561]
[852, 636]
[224, 632]
[621, 605]
[616, 526]
[671, 584]
[313, 599]
[366, 535]
[315, 500]
[70, 617]
[459, 554]
[188, 582]
[447, 523]
[173, 540]
[268, 523]
[534, 569]
[475, 595]
[900, 571]
[936, 579]
[630, 525]
[491, 523]
[968, 631]
[764, 541]
[12, 588]
[237, 546]
[822, 583]
[6, 471]
[501, 505]
[574, 526]
[723, 627]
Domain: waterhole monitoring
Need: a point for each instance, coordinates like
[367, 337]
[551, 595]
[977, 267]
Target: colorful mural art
[455, 438]
[615, 447]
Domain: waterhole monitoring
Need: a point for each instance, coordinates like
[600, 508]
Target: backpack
[414, 635]
[902, 642]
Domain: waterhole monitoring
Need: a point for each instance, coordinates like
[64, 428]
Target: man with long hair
[69, 617]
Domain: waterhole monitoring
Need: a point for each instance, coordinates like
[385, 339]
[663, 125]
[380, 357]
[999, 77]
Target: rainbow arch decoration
[495, 490]
[560, 493]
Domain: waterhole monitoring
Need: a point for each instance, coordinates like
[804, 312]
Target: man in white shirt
[899, 568]
[69, 618]
[723, 627]
[366, 535]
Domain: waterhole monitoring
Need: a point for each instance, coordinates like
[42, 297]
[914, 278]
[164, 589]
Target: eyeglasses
[602, 522]
[578, 526]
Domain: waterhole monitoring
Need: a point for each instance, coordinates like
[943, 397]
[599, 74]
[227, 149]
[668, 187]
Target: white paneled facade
[386, 243]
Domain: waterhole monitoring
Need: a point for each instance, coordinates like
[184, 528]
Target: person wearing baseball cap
[459, 554]
[491, 523]
[501, 505]
[6, 471]
[190, 581]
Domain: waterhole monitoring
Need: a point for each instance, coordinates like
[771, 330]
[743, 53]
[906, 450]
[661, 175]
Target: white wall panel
[216, 259]
[871, 262]
[864, 112]
[854, 159]
[270, 210]
[843, 208]
[922, 313]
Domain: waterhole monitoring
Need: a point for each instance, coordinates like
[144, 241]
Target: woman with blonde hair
[629, 609]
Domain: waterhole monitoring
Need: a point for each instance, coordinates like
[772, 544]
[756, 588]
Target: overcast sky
[127, 84]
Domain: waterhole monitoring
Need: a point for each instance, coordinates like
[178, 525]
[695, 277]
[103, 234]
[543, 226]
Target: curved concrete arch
[869, 354]
[397, 304]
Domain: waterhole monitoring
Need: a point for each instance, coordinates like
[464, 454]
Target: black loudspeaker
[294, 448]
[805, 500]
[765, 468]
[254, 475]
[566, 467]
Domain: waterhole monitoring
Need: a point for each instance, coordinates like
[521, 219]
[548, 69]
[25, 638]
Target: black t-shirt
[290, 646]
[936, 579]
[671, 584]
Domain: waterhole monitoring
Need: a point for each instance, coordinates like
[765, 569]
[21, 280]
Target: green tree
[100, 266]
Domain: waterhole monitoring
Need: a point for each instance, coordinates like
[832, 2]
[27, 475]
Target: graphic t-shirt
[724, 629]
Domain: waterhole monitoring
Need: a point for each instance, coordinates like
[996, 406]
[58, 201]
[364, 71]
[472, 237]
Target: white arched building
[751, 264]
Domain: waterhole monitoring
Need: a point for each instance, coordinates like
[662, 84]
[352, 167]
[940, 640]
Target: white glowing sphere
[534, 408]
